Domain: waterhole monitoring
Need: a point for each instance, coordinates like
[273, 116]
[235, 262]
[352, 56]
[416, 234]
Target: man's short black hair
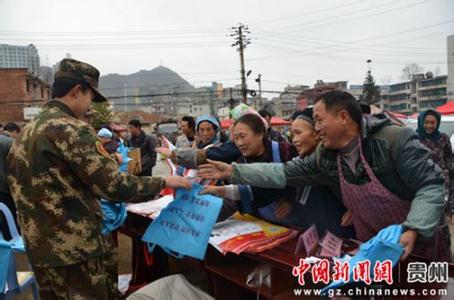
[62, 86]
[135, 123]
[264, 113]
[11, 127]
[339, 100]
[190, 120]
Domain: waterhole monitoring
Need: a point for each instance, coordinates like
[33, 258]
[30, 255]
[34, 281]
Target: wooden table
[228, 274]
[145, 267]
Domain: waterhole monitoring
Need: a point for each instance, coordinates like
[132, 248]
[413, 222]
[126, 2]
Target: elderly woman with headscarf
[207, 131]
[439, 143]
[207, 146]
[317, 204]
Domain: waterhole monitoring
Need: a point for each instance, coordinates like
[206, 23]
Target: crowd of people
[343, 169]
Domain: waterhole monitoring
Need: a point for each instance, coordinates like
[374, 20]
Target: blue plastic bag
[114, 215]
[123, 150]
[184, 226]
[384, 246]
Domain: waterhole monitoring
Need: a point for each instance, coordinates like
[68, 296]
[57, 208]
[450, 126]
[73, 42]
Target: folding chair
[15, 282]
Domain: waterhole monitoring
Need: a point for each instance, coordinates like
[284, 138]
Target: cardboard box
[134, 166]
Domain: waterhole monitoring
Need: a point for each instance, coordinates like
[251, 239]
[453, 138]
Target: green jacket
[57, 174]
[396, 157]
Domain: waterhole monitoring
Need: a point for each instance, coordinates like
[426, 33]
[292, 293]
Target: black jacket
[147, 145]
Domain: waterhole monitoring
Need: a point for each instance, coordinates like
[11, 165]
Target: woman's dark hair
[254, 122]
[339, 100]
[62, 86]
[307, 115]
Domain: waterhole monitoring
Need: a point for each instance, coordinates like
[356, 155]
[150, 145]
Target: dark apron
[374, 207]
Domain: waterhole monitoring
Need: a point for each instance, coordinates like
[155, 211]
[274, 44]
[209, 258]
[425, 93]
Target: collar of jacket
[61, 106]
[139, 138]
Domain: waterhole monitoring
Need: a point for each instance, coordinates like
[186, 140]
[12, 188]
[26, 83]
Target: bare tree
[411, 69]
[437, 71]
[386, 80]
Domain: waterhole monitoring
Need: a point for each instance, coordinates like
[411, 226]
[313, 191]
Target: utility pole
[125, 86]
[232, 101]
[211, 103]
[241, 41]
[259, 81]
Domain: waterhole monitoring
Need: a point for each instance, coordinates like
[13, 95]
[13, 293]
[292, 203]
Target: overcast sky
[292, 41]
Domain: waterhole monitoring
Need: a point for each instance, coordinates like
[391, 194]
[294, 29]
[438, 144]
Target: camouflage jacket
[56, 177]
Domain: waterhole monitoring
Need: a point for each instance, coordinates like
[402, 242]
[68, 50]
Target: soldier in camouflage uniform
[56, 176]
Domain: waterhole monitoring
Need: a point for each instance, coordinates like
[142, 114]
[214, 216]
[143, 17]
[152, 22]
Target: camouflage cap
[70, 68]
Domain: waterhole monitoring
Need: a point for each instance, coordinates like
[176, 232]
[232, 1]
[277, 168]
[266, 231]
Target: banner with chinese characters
[184, 226]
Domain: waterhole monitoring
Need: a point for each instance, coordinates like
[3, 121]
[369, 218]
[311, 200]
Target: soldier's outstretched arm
[100, 172]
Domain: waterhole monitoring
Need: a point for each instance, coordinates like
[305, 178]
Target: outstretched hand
[164, 151]
[408, 241]
[215, 170]
[178, 182]
[214, 190]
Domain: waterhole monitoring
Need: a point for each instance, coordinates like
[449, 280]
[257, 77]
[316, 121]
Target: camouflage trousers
[93, 279]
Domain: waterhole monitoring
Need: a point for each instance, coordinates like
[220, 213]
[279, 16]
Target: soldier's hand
[178, 182]
[215, 170]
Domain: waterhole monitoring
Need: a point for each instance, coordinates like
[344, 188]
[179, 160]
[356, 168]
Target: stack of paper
[150, 209]
[245, 233]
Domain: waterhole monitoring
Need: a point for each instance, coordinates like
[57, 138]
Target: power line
[114, 33]
[177, 84]
[317, 41]
[286, 28]
[298, 52]
[306, 14]
[359, 17]
[361, 51]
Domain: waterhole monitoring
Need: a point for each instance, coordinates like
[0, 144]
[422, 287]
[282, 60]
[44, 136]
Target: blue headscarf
[217, 128]
[208, 118]
[422, 132]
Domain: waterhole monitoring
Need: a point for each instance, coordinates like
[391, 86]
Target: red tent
[446, 109]
[414, 116]
[226, 123]
[276, 121]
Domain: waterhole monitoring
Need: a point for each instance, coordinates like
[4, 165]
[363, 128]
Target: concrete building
[432, 92]
[398, 97]
[19, 90]
[190, 109]
[422, 92]
[450, 80]
[356, 90]
[342, 85]
[14, 57]
[287, 102]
